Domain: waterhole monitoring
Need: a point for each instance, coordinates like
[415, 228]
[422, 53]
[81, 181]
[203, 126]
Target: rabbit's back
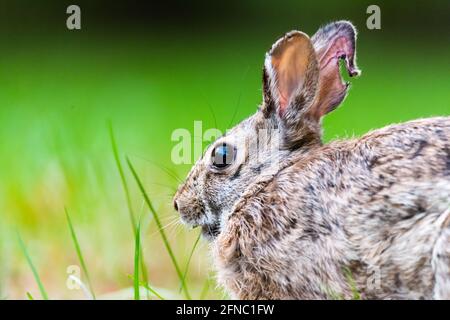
[397, 203]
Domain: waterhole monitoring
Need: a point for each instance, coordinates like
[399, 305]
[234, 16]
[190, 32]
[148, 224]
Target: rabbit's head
[301, 83]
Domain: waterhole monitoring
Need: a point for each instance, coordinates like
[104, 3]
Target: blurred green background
[151, 68]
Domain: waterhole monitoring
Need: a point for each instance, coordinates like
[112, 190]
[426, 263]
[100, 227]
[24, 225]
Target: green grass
[122, 176]
[160, 228]
[186, 268]
[79, 252]
[128, 197]
[352, 283]
[205, 288]
[151, 290]
[32, 267]
[138, 262]
[137, 250]
[147, 287]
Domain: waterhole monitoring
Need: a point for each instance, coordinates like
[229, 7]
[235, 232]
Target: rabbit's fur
[295, 218]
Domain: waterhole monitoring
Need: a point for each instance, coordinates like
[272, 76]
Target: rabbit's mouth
[211, 231]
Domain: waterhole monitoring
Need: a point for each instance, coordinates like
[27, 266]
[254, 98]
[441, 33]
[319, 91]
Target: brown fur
[304, 220]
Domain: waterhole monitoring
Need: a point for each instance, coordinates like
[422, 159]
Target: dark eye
[223, 155]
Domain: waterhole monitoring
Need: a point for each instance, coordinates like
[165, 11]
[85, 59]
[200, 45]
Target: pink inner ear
[290, 59]
[340, 48]
[282, 102]
[332, 88]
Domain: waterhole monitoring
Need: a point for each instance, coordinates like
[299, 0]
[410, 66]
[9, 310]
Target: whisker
[211, 109]
[177, 228]
[171, 187]
[163, 168]
[163, 228]
[239, 97]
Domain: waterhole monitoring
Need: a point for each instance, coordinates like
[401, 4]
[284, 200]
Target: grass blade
[147, 287]
[160, 228]
[79, 252]
[186, 269]
[32, 267]
[87, 292]
[127, 196]
[137, 250]
[122, 176]
[351, 281]
[151, 290]
[205, 289]
[29, 296]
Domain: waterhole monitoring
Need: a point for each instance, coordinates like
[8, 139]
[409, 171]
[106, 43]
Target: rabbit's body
[292, 218]
[370, 209]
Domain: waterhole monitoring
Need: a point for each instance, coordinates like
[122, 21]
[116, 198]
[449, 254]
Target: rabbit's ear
[333, 42]
[290, 76]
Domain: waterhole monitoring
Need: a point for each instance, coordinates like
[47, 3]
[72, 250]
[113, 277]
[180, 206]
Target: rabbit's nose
[175, 205]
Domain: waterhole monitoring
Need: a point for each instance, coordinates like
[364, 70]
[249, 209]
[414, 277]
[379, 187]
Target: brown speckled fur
[287, 222]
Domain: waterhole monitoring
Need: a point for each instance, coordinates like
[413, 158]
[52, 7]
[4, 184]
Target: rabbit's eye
[223, 155]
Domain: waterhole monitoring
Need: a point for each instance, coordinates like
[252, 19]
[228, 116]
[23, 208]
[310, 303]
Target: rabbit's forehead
[240, 132]
[235, 136]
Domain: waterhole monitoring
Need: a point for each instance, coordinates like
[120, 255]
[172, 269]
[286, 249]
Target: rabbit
[289, 217]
